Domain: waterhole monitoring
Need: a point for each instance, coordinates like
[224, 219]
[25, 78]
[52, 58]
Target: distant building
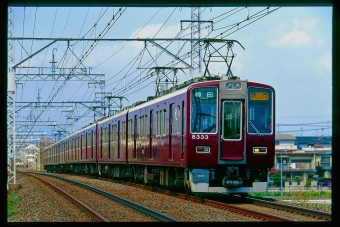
[285, 142]
[305, 157]
[305, 141]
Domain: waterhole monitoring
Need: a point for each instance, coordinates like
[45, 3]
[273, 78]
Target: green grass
[12, 201]
[301, 198]
[298, 194]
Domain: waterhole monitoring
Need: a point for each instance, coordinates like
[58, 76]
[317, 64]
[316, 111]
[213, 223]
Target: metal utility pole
[195, 34]
[163, 81]
[11, 100]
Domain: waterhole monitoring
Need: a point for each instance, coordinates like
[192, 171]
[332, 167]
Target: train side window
[161, 123]
[145, 125]
[178, 119]
[140, 127]
[164, 122]
[75, 148]
[101, 142]
[109, 140]
[123, 130]
[114, 133]
[158, 123]
[86, 144]
[105, 133]
[130, 129]
[89, 141]
[94, 141]
[172, 119]
[68, 149]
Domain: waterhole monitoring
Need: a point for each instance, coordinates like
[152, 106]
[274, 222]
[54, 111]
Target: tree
[297, 179]
[276, 177]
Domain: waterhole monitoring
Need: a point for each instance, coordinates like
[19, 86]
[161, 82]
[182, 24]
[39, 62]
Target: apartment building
[307, 160]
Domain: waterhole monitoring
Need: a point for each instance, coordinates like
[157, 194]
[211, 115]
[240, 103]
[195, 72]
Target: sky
[288, 48]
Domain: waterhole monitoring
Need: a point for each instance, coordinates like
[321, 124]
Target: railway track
[247, 212]
[253, 212]
[325, 216]
[92, 213]
[293, 209]
[141, 209]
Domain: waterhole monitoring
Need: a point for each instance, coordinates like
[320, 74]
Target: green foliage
[309, 182]
[322, 179]
[12, 201]
[303, 194]
[276, 177]
[297, 179]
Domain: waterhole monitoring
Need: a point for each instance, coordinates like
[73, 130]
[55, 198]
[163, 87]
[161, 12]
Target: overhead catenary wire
[127, 42]
[130, 72]
[61, 87]
[123, 88]
[251, 17]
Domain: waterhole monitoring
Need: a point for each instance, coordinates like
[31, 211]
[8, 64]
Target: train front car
[231, 138]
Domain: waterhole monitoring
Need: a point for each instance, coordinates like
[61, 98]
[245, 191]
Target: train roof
[173, 91]
[168, 93]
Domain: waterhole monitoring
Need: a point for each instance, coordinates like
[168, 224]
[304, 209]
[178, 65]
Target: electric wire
[127, 42]
[92, 46]
[126, 66]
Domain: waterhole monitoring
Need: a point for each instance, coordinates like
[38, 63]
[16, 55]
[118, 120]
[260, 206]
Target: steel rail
[244, 211]
[142, 209]
[96, 216]
[293, 209]
[247, 212]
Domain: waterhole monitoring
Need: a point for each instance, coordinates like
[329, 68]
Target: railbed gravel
[182, 210]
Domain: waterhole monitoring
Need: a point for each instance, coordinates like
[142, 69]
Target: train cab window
[203, 110]
[231, 124]
[260, 111]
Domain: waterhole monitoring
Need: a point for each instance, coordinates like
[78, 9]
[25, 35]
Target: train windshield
[260, 111]
[203, 110]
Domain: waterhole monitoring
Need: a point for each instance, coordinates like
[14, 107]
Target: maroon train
[207, 135]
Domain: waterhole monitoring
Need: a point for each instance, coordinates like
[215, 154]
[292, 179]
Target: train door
[118, 139]
[101, 142]
[109, 141]
[135, 137]
[151, 134]
[172, 135]
[232, 124]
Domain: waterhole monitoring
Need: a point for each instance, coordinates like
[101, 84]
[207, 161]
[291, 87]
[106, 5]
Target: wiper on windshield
[255, 129]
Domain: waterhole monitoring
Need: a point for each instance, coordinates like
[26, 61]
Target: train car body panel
[155, 132]
[212, 136]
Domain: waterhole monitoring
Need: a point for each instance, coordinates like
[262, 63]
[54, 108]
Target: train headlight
[203, 149]
[259, 150]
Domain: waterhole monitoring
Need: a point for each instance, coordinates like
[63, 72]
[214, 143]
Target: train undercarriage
[223, 179]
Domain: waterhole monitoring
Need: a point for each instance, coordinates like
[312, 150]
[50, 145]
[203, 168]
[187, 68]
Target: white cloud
[325, 63]
[299, 35]
[151, 30]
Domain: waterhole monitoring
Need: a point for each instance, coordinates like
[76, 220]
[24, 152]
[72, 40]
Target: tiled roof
[285, 137]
